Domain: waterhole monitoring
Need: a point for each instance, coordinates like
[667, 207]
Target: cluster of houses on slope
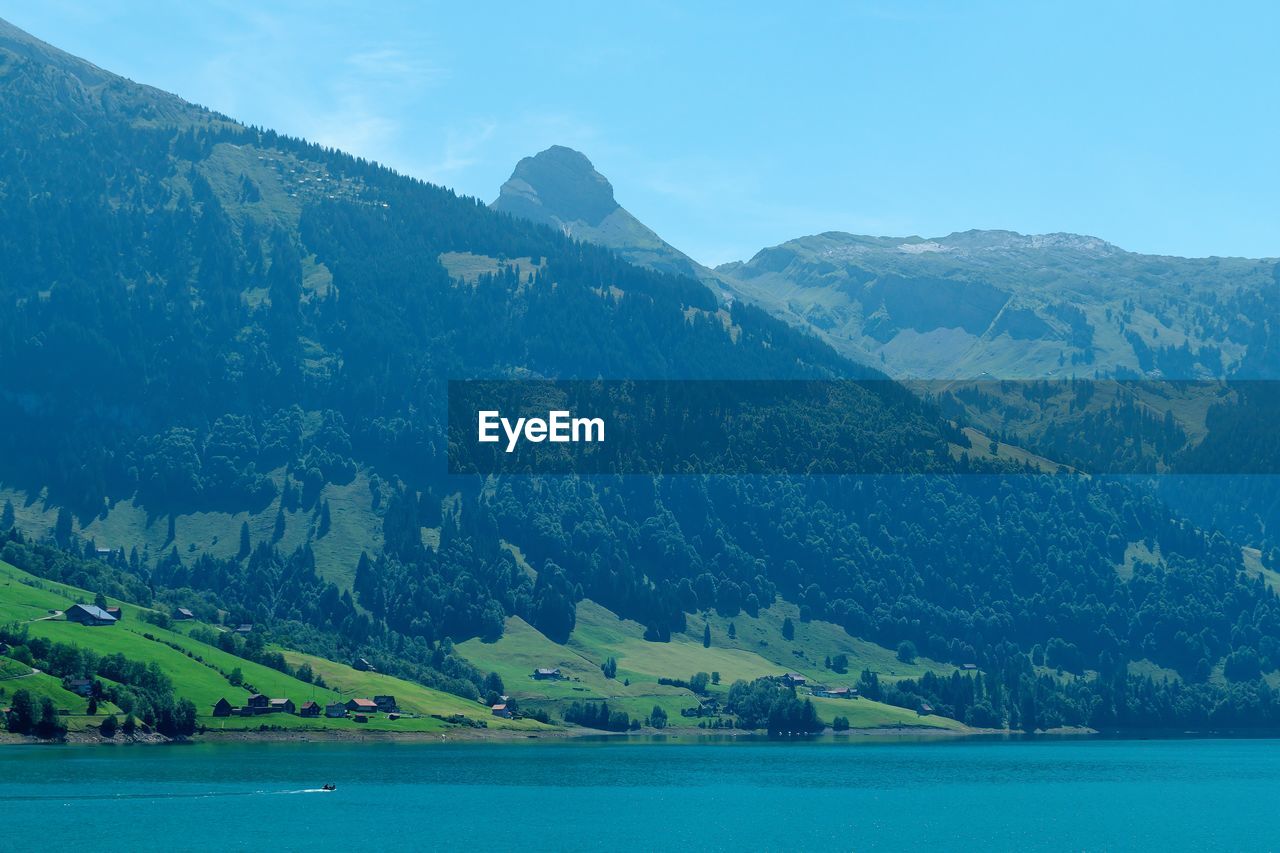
[795, 679]
[260, 704]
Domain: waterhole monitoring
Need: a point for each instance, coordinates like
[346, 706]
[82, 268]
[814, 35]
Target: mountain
[985, 305]
[1005, 305]
[560, 188]
[968, 305]
[234, 349]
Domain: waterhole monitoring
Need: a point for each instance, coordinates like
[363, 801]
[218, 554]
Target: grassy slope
[355, 527]
[411, 698]
[199, 671]
[758, 651]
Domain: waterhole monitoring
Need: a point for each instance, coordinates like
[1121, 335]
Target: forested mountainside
[237, 343]
[1061, 313]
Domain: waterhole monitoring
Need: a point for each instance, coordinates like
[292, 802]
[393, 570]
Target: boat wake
[195, 795]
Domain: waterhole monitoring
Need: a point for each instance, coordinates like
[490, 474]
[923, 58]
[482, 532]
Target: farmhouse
[182, 614]
[223, 708]
[246, 628]
[362, 665]
[310, 708]
[924, 710]
[257, 704]
[836, 692]
[335, 709]
[281, 706]
[542, 674]
[386, 704]
[362, 706]
[794, 679]
[116, 612]
[81, 686]
[969, 667]
[89, 614]
[501, 711]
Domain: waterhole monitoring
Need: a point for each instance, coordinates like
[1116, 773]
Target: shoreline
[469, 735]
[664, 737]
[670, 736]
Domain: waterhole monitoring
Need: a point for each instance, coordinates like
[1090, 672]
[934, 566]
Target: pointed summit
[560, 184]
[559, 187]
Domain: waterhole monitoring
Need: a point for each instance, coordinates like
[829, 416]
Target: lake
[957, 795]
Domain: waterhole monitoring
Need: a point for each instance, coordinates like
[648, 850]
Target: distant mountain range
[972, 304]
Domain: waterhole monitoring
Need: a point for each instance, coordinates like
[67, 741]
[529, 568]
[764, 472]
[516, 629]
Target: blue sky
[731, 127]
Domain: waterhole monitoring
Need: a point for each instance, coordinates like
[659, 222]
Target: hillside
[32, 609]
[235, 347]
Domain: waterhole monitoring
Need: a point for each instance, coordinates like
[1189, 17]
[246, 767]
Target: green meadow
[200, 672]
[757, 650]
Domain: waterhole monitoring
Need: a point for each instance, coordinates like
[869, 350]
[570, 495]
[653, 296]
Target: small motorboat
[328, 787]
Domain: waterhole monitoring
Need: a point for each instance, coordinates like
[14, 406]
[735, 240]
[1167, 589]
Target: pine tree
[278, 533]
[706, 636]
[246, 545]
[788, 629]
[62, 527]
[7, 517]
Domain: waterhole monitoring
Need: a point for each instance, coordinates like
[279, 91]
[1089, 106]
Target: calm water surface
[1039, 795]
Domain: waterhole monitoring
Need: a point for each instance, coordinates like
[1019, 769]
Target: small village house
[281, 706]
[385, 703]
[245, 628]
[81, 686]
[258, 704]
[543, 674]
[182, 614]
[335, 710]
[362, 706]
[223, 708]
[794, 679]
[310, 708]
[89, 614]
[116, 612]
[501, 710]
[924, 710]
[362, 665]
[836, 692]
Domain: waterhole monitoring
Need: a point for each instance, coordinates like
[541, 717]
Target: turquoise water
[1039, 795]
